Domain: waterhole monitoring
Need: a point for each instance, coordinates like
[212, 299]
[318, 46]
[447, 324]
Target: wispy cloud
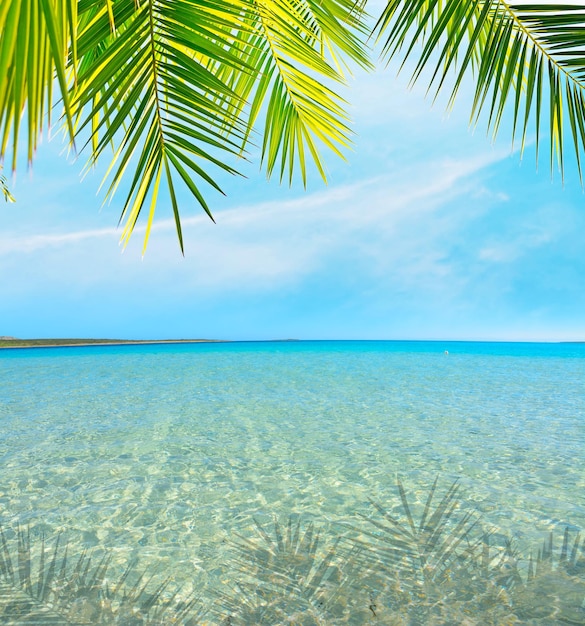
[32, 243]
[388, 225]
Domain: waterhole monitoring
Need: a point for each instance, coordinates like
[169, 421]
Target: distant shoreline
[12, 344]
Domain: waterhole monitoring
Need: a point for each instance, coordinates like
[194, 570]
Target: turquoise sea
[169, 457]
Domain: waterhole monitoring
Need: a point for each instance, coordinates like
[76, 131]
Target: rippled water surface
[164, 452]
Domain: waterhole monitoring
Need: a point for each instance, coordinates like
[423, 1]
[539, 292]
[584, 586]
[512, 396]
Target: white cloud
[386, 225]
[33, 243]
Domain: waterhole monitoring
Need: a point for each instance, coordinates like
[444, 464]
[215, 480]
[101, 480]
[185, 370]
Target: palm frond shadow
[442, 569]
[426, 553]
[553, 588]
[425, 569]
[53, 588]
[287, 577]
[413, 564]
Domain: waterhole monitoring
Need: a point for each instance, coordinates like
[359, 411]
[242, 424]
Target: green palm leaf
[297, 52]
[144, 90]
[528, 56]
[36, 37]
[174, 88]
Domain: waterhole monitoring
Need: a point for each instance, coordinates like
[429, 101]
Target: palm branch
[175, 87]
[36, 37]
[528, 56]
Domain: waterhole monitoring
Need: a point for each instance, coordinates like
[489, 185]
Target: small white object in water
[446, 351]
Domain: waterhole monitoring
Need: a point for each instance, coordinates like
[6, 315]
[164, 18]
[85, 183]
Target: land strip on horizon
[64, 343]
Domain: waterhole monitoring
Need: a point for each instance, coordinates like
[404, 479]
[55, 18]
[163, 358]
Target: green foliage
[175, 88]
[526, 55]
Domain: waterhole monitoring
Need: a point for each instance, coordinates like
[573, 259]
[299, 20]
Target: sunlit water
[164, 452]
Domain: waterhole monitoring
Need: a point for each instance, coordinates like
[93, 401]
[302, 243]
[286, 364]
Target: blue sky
[428, 231]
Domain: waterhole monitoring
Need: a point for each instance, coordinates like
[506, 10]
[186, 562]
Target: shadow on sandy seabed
[406, 564]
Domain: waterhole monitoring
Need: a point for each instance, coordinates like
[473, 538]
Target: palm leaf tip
[8, 197]
[157, 74]
[301, 51]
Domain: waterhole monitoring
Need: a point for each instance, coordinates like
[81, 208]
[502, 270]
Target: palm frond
[144, 90]
[298, 49]
[528, 56]
[175, 87]
[171, 85]
[36, 38]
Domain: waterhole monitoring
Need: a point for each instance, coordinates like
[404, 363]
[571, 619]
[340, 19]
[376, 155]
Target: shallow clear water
[164, 452]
